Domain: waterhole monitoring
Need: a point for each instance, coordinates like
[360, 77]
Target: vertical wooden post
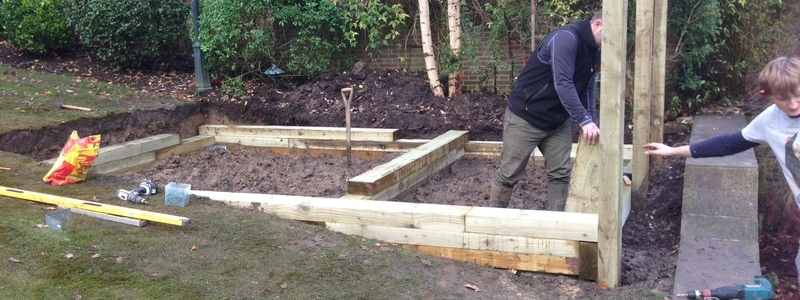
[642, 97]
[612, 112]
[659, 70]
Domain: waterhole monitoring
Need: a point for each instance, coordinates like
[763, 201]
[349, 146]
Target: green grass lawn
[30, 99]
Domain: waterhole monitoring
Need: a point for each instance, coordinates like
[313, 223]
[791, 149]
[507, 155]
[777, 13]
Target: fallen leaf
[69, 255]
[14, 260]
[426, 262]
[96, 255]
[363, 247]
[472, 286]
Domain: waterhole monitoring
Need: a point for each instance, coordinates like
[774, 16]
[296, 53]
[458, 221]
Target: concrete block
[719, 227]
[711, 263]
[720, 202]
[724, 178]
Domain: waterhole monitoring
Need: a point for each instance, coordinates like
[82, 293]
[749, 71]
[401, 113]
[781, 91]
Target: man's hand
[591, 133]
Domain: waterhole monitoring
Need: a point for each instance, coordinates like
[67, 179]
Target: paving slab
[719, 219]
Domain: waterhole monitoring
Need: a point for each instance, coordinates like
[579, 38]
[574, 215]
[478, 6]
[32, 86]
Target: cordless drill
[761, 290]
[146, 188]
[131, 196]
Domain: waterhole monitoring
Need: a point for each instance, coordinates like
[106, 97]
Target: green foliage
[566, 11]
[697, 25]
[233, 86]
[127, 33]
[37, 26]
[236, 35]
[319, 28]
[717, 45]
[243, 37]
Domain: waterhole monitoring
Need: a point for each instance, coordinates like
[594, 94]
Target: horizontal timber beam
[465, 240]
[326, 133]
[516, 261]
[440, 217]
[116, 153]
[533, 223]
[382, 177]
[410, 181]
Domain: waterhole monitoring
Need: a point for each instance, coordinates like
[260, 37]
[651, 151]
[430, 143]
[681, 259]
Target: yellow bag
[74, 160]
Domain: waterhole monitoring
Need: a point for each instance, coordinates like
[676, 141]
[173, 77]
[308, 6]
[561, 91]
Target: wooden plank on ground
[112, 218]
[136, 147]
[465, 240]
[191, 144]
[497, 259]
[533, 223]
[365, 212]
[301, 132]
[94, 206]
[123, 164]
[131, 148]
[413, 179]
[381, 177]
[310, 144]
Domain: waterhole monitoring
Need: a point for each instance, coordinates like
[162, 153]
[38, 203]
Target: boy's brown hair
[780, 78]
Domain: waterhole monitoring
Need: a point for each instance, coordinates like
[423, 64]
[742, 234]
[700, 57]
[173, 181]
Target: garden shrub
[127, 33]
[37, 26]
[241, 37]
[236, 35]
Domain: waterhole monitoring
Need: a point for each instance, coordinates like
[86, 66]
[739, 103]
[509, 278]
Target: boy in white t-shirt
[777, 126]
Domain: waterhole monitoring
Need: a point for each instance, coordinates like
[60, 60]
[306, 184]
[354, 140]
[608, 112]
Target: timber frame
[533, 240]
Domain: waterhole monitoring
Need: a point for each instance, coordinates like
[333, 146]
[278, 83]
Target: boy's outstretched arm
[664, 150]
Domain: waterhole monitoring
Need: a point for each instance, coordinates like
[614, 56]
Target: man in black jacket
[556, 84]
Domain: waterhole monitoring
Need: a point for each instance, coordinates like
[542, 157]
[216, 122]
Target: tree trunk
[455, 83]
[427, 48]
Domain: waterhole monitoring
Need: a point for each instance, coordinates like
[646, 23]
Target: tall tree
[455, 83]
[427, 48]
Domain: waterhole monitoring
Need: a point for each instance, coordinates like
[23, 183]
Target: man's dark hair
[597, 15]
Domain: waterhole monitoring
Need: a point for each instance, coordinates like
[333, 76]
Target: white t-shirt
[779, 131]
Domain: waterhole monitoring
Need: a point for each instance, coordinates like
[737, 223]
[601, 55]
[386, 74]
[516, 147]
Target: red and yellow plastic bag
[74, 160]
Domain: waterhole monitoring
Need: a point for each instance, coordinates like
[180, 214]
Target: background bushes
[127, 33]
[37, 26]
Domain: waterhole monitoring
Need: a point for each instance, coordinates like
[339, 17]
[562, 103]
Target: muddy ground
[381, 99]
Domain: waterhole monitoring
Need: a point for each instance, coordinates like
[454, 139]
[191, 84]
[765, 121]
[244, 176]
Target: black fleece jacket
[558, 79]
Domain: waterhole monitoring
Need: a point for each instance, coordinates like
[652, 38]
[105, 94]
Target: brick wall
[406, 53]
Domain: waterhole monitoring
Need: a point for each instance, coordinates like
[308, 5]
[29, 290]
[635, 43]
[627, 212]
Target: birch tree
[427, 48]
[455, 82]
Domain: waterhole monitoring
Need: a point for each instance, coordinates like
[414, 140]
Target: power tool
[761, 290]
[131, 196]
[146, 188]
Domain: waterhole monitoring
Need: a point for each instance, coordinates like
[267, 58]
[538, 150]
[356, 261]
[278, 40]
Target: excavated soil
[382, 99]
